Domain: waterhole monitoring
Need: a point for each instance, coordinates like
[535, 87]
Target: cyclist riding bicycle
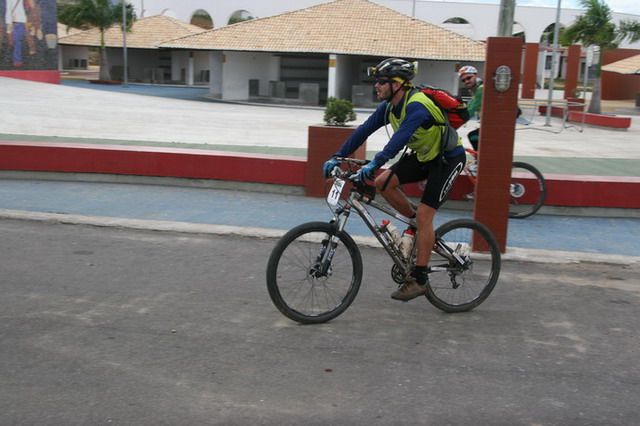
[469, 78]
[414, 119]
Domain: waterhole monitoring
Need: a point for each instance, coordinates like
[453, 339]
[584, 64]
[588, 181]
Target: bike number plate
[336, 191]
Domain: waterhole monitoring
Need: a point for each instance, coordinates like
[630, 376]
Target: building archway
[240, 16]
[170, 13]
[459, 25]
[202, 19]
[519, 31]
[546, 38]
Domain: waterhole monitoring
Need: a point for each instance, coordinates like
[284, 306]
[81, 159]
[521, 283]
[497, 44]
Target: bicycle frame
[356, 200]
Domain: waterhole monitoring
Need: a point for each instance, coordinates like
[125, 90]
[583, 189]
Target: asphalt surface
[105, 326]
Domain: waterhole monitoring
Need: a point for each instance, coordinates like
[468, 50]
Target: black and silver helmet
[394, 67]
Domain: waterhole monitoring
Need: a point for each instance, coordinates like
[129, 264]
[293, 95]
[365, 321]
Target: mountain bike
[315, 270]
[528, 187]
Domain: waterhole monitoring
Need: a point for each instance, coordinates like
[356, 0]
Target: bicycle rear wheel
[528, 190]
[299, 287]
[459, 287]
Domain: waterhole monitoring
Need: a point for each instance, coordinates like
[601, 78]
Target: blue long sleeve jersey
[416, 115]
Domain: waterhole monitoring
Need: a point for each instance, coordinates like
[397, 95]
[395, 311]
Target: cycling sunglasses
[466, 78]
[382, 81]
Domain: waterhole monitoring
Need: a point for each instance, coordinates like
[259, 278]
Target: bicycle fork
[322, 265]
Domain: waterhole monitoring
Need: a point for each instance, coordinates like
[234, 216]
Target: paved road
[121, 327]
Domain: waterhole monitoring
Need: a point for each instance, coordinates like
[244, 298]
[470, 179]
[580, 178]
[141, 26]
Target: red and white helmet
[468, 69]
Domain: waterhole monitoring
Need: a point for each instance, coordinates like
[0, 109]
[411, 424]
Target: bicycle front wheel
[528, 190]
[306, 287]
[456, 286]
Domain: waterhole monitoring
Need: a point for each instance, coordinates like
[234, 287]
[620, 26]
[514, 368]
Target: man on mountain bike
[413, 117]
[469, 78]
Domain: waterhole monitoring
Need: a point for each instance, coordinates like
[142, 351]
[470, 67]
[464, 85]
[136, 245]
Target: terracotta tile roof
[353, 27]
[146, 33]
[629, 65]
[64, 31]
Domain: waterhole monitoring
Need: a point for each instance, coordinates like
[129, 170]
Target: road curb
[513, 253]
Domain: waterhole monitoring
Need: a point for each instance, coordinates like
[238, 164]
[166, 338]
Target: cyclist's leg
[426, 236]
[388, 183]
[440, 180]
[474, 138]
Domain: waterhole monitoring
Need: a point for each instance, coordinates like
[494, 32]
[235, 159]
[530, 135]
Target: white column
[332, 84]
[190, 70]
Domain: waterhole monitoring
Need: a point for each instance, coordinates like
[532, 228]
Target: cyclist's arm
[476, 102]
[360, 135]
[416, 115]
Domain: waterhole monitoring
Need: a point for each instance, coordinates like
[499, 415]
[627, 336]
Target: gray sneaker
[409, 290]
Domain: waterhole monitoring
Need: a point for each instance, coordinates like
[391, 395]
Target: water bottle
[406, 243]
[392, 230]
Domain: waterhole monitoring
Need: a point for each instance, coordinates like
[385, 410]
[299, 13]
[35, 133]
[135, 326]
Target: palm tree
[100, 14]
[594, 28]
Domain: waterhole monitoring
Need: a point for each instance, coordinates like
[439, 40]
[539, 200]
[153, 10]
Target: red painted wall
[573, 69]
[562, 190]
[41, 76]
[616, 86]
[530, 71]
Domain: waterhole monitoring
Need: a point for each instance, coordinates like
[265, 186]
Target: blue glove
[329, 166]
[368, 171]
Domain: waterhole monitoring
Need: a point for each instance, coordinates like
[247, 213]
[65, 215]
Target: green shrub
[338, 112]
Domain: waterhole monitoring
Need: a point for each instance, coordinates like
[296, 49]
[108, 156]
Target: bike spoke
[463, 286]
[299, 288]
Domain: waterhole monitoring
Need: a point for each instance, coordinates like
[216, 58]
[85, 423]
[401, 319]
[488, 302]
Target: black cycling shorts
[440, 176]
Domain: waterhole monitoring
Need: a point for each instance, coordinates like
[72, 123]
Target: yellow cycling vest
[425, 142]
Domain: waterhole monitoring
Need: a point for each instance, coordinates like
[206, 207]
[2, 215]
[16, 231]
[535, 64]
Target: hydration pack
[451, 106]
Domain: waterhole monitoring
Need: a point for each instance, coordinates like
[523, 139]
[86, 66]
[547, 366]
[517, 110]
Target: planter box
[602, 120]
[323, 142]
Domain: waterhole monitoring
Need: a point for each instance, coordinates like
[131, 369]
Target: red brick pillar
[530, 74]
[323, 142]
[572, 72]
[491, 205]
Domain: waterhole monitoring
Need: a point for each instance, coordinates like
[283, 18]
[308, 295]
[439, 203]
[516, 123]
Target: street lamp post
[124, 41]
[556, 30]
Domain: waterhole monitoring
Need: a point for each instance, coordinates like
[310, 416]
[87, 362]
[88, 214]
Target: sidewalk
[79, 112]
[543, 238]
[70, 113]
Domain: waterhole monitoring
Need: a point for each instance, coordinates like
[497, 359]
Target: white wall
[215, 74]
[72, 53]
[345, 75]
[240, 67]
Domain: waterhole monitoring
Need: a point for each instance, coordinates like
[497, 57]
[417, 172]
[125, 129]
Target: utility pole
[505, 19]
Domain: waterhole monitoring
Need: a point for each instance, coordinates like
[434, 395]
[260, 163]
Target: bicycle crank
[397, 274]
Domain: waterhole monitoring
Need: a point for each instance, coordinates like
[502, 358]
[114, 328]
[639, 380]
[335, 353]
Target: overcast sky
[621, 6]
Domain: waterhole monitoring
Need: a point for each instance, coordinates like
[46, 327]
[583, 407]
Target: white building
[482, 19]
[273, 62]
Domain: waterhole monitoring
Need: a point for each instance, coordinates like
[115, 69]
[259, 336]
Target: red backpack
[451, 106]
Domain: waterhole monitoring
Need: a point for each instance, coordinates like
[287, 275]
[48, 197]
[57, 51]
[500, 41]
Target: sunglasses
[465, 79]
[382, 81]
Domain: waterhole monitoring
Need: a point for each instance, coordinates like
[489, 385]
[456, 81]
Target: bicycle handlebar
[353, 161]
[351, 174]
